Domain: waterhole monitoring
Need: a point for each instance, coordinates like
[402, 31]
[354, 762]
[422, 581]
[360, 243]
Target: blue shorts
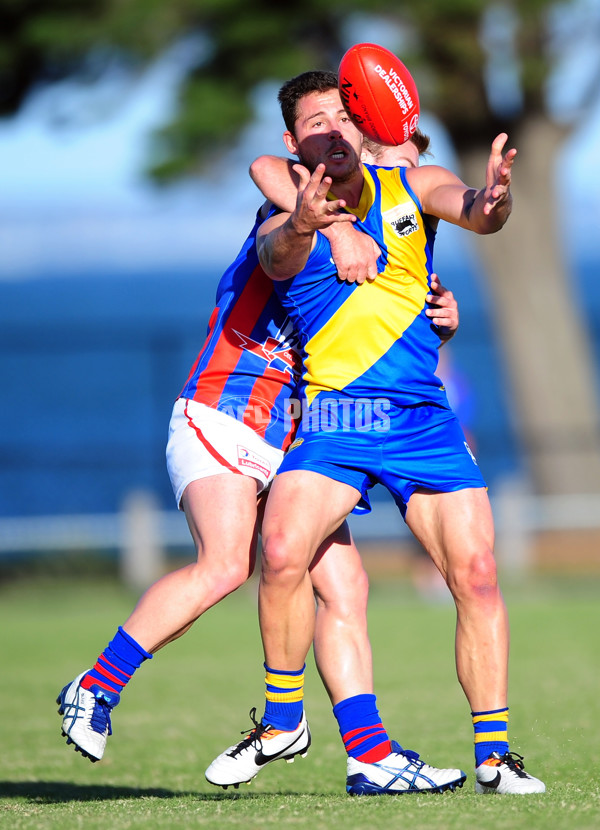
[411, 447]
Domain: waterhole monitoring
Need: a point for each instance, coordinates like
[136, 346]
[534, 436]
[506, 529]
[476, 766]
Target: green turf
[192, 700]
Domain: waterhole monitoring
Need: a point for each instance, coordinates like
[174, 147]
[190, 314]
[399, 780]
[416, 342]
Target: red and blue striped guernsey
[251, 359]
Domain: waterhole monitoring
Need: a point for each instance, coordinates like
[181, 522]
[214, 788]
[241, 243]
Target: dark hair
[420, 139]
[318, 80]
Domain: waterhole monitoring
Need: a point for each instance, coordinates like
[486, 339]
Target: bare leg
[341, 642]
[457, 531]
[226, 549]
[303, 509]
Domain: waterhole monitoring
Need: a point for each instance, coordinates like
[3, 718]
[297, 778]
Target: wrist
[298, 226]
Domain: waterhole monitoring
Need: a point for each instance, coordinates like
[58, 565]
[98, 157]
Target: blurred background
[126, 132]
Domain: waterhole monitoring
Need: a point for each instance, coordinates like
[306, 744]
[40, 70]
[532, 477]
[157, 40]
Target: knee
[475, 577]
[344, 597]
[235, 573]
[282, 558]
[221, 573]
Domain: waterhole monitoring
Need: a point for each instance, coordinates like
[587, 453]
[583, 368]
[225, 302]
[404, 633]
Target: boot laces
[253, 738]
[100, 718]
[514, 762]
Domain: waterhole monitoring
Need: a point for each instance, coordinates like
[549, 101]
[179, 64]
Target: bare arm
[275, 178]
[284, 242]
[355, 253]
[442, 194]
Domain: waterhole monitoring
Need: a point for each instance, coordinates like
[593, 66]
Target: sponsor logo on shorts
[252, 461]
[295, 444]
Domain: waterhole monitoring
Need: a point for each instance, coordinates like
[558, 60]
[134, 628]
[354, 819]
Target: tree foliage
[256, 40]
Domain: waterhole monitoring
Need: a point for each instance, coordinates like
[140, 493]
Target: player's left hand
[443, 311]
[498, 174]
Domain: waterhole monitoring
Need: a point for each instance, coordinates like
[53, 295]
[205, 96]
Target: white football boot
[400, 772]
[241, 762]
[86, 717]
[506, 774]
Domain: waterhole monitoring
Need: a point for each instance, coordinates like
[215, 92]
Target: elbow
[255, 169]
[272, 269]
[275, 273]
[259, 170]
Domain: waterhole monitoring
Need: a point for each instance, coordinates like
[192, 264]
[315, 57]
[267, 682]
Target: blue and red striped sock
[491, 733]
[362, 731]
[117, 664]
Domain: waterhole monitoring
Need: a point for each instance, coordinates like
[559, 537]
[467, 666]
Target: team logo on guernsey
[402, 218]
[280, 354]
[252, 461]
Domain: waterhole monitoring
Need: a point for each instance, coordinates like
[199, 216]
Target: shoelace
[412, 756]
[253, 738]
[513, 761]
[101, 717]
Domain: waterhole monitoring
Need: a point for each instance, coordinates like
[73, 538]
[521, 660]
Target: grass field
[192, 700]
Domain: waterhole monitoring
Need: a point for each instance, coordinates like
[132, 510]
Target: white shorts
[206, 442]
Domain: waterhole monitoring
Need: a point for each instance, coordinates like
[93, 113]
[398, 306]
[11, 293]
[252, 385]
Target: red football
[379, 93]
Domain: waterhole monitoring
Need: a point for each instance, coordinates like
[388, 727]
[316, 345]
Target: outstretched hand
[314, 211]
[498, 174]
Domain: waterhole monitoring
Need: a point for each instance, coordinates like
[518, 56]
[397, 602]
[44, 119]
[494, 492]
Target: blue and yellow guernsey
[371, 340]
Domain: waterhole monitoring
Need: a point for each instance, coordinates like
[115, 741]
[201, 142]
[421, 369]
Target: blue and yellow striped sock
[491, 733]
[285, 698]
[362, 731]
